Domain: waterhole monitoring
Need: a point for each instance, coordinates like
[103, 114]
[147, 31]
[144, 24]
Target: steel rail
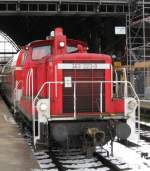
[107, 162]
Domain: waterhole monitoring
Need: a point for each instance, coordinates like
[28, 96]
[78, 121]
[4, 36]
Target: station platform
[15, 154]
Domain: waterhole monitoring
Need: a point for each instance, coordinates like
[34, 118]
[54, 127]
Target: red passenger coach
[68, 95]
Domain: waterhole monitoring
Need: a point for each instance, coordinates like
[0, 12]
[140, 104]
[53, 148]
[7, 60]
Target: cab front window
[41, 51]
[72, 49]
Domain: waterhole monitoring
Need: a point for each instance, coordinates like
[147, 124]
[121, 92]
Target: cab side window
[41, 51]
[24, 56]
[71, 49]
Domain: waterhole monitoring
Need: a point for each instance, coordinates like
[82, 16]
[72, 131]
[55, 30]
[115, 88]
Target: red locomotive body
[69, 94]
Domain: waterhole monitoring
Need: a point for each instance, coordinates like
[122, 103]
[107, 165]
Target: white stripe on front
[83, 66]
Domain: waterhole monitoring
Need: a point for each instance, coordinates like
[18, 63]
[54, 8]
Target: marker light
[61, 44]
[132, 104]
[43, 107]
[52, 34]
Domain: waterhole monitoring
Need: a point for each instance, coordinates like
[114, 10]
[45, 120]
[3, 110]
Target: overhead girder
[63, 7]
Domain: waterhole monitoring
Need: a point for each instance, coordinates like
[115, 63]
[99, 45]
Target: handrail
[29, 87]
[101, 97]
[116, 78]
[60, 82]
[101, 82]
[29, 83]
[138, 108]
[36, 137]
[125, 79]
[74, 102]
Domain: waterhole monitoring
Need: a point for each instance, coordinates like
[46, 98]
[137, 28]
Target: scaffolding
[138, 45]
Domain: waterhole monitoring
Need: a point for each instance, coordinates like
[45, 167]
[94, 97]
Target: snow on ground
[130, 156]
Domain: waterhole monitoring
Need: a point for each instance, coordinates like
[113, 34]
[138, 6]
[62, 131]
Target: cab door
[39, 56]
[18, 74]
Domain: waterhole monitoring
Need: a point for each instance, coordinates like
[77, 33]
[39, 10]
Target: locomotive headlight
[43, 107]
[132, 104]
[61, 44]
[43, 110]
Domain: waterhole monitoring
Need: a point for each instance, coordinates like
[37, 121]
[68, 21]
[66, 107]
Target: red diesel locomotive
[68, 95]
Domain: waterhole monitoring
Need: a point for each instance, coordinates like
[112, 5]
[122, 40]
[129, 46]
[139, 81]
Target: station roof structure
[62, 7]
[7, 47]
[20, 18]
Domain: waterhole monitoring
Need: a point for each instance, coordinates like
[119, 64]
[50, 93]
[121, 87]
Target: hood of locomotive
[87, 71]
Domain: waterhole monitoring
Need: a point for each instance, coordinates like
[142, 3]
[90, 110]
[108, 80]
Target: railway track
[75, 160]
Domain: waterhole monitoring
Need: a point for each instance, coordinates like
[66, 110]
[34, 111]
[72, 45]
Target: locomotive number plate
[83, 66]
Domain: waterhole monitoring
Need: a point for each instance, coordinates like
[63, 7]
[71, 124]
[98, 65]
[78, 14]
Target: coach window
[41, 51]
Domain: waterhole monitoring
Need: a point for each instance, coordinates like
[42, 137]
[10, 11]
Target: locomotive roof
[69, 41]
[39, 42]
